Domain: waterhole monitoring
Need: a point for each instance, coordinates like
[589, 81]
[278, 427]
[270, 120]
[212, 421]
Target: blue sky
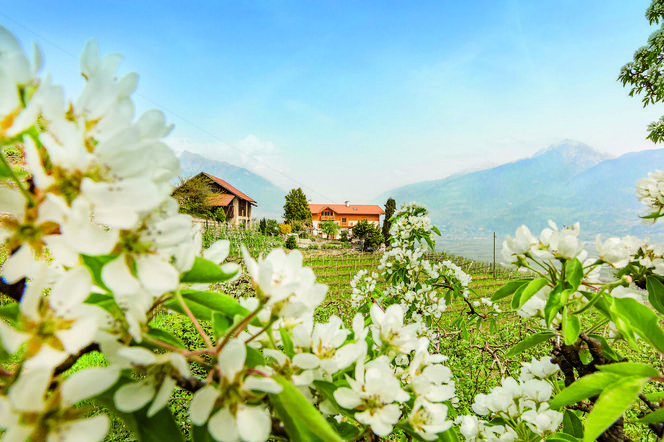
[352, 98]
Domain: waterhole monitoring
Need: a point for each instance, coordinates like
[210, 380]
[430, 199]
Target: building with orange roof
[236, 204]
[345, 215]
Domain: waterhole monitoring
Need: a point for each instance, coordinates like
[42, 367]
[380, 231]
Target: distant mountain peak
[571, 149]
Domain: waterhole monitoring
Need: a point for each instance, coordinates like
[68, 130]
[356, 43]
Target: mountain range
[269, 197]
[567, 182]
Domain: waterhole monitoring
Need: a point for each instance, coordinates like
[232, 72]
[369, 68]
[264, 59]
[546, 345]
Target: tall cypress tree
[390, 208]
[296, 207]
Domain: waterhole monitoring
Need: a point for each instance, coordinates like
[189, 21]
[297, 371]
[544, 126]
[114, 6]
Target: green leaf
[204, 271]
[5, 171]
[612, 403]
[306, 422]
[572, 424]
[203, 304]
[653, 418]
[289, 349]
[509, 288]
[95, 265]
[583, 388]
[553, 304]
[571, 327]
[529, 290]
[107, 302]
[450, 435]
[201, 434]
[642, 319]
[562, 437]
[327, 389]
[630, 369]
[607, 351]
[656, 396]
[158, 428]
[655, 293]
[574, 273]
[10, 311]
[345, 430]
[254, 358]
[530, 341]
[220, 323]
[164, 336]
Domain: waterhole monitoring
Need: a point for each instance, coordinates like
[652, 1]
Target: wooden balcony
[326, 218]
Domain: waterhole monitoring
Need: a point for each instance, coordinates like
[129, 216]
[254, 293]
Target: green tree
[268, 227]
[219, 214]
[365, 230]
[373, 239]
[330, 228]
[192, 195]
[645, 73]
[390, 208]
[361, 229]
[291, 242]
[296, 207]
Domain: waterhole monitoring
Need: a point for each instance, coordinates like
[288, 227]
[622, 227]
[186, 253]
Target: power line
[178, 116]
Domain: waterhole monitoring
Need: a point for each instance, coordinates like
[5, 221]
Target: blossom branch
[14, 178]
[194, 321]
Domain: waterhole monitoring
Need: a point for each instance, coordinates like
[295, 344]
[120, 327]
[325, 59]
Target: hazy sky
[352, 98]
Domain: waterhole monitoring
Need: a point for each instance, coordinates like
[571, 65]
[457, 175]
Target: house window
[343, 220]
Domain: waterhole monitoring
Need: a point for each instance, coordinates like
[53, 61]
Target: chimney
[347, 203]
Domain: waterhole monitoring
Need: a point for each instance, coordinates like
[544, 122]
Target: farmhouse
[236, 204]
[345, 215]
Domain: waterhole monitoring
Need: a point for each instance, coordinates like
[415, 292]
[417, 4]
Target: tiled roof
[220, 199]
[230, 188]
[342, 209]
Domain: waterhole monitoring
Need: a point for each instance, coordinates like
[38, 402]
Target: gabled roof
[220, 199]
[352, 209]
[230, 188]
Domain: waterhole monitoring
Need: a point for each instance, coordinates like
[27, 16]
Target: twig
[496, 360]
[14, 291]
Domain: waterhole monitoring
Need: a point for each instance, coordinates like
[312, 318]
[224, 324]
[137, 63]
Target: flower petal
[89, 430]
[202, 404]
[88, 383]
[254, 423]
[134, 396]
[223, 426]
[161, 399]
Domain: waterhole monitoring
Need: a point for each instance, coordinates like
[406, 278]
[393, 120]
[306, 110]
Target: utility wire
[178, 116]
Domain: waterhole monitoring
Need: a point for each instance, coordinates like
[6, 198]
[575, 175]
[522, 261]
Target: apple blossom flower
[388, 329]
[374, 392]
[29, 409]
[538, 369]
[281, 277]
[521, 244]
[564, 243]
[428, 419]
[235, 420]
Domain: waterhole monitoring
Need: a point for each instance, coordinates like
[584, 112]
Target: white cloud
[251, 153]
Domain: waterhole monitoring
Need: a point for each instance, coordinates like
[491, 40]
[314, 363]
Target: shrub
[268, 227]
[373, 239]
[219, 214]
[303, 235]
[284, 228]
[291, 243]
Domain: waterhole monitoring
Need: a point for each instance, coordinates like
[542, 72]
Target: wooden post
[494, 255]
